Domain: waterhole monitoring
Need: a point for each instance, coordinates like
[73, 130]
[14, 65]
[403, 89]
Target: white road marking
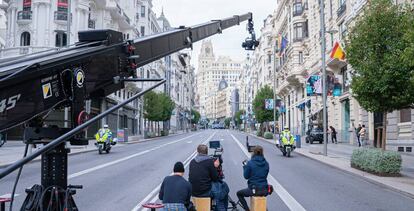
[86, 171]
[156, 190]
[9, 195]
[288, 199]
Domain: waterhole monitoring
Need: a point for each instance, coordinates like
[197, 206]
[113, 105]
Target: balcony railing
[91, 24]
[24, 15]
[127, 18]
[61, 16]
[341, 10]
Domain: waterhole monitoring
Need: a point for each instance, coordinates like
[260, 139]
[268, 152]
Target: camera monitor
[214, 144]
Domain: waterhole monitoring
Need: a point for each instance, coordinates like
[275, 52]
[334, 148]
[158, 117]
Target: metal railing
[61, 16]
[24, 15]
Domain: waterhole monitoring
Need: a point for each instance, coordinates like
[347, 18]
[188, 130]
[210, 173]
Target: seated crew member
[175, 191]
[255, 171]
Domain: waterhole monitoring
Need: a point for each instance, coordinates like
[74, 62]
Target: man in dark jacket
[175, 191]
[203, 171]
[255, 171]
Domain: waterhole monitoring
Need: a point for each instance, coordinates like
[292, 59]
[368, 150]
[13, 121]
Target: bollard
[298, 141]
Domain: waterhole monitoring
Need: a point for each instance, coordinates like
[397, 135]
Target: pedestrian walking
[357, 130]
[333, 135]
[362, 136]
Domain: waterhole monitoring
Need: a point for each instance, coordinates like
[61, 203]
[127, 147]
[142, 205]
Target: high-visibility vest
[287, 137]
[103, 135]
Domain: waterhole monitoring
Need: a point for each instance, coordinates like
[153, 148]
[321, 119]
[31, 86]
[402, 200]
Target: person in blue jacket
[255, 171]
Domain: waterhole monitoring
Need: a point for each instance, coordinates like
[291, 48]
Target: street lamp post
[324, 87]
[274, 93]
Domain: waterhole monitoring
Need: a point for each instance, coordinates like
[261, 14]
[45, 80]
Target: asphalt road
[131, 175]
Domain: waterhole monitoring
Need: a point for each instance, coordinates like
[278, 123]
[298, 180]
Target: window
[142, 11]
[142, 31]
[300, 57]
[345, 79]
[297, 8]
[343, 30]
[269, 58]
[61, 39]
[25, 39]
[298, 31]
[342, 7]
[148, 74]
[405, 115]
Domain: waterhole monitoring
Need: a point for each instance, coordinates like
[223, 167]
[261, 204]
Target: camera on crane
[250, 43]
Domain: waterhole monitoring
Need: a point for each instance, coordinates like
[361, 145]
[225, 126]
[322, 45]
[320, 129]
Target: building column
[34, 36]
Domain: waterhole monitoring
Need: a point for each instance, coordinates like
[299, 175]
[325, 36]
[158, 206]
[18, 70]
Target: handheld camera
[217, 154]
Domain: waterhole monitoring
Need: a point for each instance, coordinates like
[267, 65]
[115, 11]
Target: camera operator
[205, 180]
[203, 172]
[255, 171]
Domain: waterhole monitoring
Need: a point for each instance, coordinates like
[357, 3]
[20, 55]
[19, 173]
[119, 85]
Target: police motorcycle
[104, 140]
[286, 142]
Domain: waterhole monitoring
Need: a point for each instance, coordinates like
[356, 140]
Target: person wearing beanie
[175, 192]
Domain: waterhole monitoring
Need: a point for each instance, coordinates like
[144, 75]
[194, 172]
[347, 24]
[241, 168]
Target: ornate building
[211, 72]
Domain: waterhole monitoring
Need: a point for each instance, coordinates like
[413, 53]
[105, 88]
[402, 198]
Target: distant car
[314, 135]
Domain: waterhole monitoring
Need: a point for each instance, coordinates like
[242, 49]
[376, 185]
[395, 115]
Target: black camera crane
[98, 65]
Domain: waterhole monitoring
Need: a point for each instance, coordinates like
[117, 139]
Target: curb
[405, 193]
[91, 150]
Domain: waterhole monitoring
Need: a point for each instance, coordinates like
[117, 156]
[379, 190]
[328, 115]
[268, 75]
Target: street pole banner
[269, 104]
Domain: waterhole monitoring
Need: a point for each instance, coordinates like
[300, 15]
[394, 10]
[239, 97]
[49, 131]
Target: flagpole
[323, 49]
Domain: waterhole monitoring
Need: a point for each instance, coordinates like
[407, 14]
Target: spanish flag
[337, 52]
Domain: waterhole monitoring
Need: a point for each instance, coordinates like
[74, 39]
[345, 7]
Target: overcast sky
[191, 12]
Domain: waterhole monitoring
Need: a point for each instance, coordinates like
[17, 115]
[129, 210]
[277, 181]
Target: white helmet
[106, 126]
[286, 127]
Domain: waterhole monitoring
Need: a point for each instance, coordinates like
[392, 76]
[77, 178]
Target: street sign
[269, 104]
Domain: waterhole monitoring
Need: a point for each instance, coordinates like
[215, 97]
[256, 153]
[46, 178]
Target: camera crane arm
[97, 66]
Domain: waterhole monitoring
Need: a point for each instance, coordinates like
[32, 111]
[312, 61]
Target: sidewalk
[13, 151]
[339, 156]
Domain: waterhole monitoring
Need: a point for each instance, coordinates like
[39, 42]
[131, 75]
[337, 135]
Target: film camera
[217, 149]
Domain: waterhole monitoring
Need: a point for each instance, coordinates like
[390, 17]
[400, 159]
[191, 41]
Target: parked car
[314, 135]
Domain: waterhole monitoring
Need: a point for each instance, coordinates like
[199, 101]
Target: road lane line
[153, 196]
[86, 171]
[288, 199]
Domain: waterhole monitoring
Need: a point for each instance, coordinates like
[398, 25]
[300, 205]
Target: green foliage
[268, 135]
[263, 115]
[167, 105]
[259, 133]
[376, 161]
[196, 116]
[227, 122]
[164, 132]
[151, 110]
[237, 117]
[158, 106]
[380, 48]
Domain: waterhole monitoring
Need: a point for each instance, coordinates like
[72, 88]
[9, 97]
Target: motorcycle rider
[104, 134]
[287, 137]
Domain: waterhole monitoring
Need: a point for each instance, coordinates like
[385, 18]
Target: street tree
[238, 117]
[263, 116]
[384, 78]
[227, 122]
[196, 116]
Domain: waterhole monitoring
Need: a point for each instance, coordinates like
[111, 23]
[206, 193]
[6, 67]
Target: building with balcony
[38, 25]
[298, 71]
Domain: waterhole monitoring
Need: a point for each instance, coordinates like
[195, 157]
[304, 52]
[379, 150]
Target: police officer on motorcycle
[286, 142]
[104, 137]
